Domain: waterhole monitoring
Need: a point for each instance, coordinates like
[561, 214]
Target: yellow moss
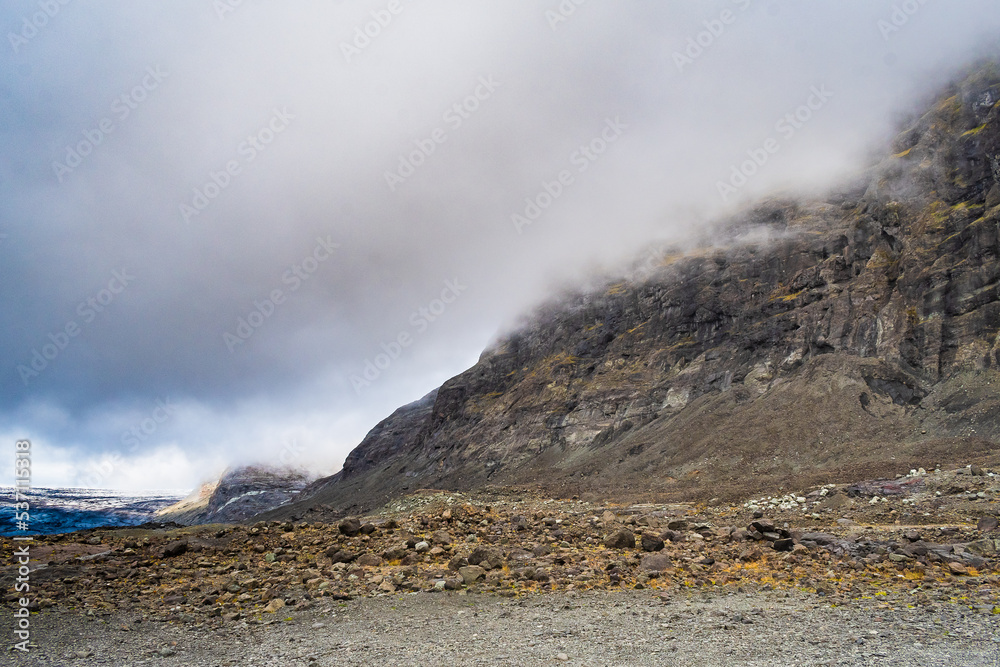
[904, 153]
[975, 130]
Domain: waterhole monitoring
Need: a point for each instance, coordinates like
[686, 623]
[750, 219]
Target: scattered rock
[783, 544]
[274, 605]
[620, 539]
[369, 560]
[957, 568]
[655, 563]
[341, 555]
[350, 527]
[471, 573]
[987, 524]
[651, 542]
[175, 548]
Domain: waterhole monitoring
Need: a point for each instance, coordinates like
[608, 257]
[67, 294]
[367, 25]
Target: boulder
[655, 563]
[651, 542]
[175, 548]
[620, 539]
[350, 527]
[471, 573]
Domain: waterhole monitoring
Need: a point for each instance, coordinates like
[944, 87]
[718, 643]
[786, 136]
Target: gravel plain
[626, 627]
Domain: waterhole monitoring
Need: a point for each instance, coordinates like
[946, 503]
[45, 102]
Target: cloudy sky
[215, 216]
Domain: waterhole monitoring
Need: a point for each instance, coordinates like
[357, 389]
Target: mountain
[238, 494]
[840, 338]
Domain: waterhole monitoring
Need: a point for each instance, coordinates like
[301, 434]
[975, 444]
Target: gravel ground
[593, 628]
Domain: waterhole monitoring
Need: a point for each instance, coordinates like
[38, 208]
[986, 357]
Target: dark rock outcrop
[811, 341]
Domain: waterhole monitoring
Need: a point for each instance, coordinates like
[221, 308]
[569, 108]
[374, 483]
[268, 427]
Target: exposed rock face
[852, 336]
[239, 494]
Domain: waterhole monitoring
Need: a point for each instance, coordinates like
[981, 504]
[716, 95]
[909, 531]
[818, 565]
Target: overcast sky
[214, 215]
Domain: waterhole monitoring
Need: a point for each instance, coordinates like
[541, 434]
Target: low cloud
[203, 148]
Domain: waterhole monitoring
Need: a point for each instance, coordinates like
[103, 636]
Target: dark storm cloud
[237, 207]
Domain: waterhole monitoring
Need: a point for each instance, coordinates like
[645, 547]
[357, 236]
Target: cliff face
[855, 335]
[239, 494]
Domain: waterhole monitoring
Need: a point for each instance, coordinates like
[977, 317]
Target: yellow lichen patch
[617, 288]
[904, 153]
[791, 297]
[975, 130]
[638, 327]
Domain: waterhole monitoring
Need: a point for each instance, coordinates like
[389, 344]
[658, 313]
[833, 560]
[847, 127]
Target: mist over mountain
[246, 236]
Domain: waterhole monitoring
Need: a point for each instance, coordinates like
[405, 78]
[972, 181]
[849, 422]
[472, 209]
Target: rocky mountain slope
[240, 493]
[817, 341]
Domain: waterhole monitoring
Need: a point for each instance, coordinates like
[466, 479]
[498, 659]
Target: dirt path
[594, 628]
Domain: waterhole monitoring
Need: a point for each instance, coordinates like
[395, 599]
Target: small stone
[957, 568]
[166, 652]
[274, 605]
[562, 657]
[976, 471]
[439, 585]
[421, 547]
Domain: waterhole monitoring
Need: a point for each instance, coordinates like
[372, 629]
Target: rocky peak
[818, 340]
[241, 492]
